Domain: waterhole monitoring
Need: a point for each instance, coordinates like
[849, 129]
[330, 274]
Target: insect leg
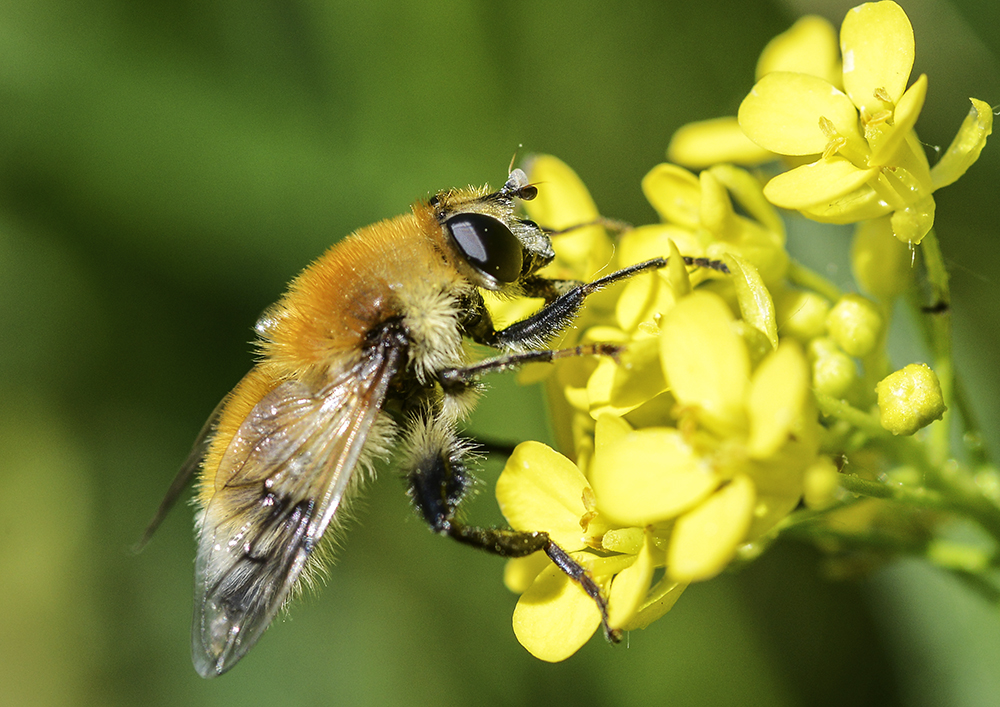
[560, 311]
[438, 481]
[454, 380]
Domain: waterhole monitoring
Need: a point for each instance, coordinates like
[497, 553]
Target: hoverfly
[363, 353]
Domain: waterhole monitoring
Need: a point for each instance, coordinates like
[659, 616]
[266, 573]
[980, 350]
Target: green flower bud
[833, 371]
[855, 324]
[801, 314]
[909, 399]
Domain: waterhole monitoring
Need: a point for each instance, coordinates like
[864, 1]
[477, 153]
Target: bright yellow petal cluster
[862, 157]
[694, 444]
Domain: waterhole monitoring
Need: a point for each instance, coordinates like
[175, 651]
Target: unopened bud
[909, 399]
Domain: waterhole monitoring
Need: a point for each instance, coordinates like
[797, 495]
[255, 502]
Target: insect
[365, 352]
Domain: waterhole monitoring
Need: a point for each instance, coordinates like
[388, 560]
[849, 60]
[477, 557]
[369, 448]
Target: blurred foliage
[165, 167]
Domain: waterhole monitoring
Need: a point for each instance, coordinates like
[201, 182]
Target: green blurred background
[167, 166]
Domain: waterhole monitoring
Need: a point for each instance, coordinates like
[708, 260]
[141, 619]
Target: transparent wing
[278, 485]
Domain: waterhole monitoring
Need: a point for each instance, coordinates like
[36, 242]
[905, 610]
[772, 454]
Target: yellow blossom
[699, 216]
[699, 443]
[864, 160]
[723, 464]
[540, 489]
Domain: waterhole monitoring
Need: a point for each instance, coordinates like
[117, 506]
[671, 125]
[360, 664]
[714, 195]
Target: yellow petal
[782, 113]
[705, 362]
[904, 118]
[647, 242]
[624, 540]
[608, 429]
[965, 148]
[808, 47]
[506, 311]
[746, 189]
[563, 200]
[540, 489]
[763, 249]
[554, 618]
[649, 475]
[675, 194]
[882, 265]
[620, 388]
[678, 277]
[704, 540]
[820, 183]
[776, 398]
[768, 511]
[643, 298]
[572, 376]
[911, 224]
[716, 209]
[876, 41]
[858, 205]
[708, 142]
[520, 572]
[630, 586]
[753, 296]
[658, 602]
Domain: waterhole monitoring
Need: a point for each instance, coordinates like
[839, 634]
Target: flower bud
[833, 371]
[909, 399]
[855, 324]
[801, 314]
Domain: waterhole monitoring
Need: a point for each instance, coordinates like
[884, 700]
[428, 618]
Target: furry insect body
[366, 351]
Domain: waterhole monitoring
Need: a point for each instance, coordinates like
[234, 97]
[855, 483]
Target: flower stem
[939, 330]
[842, 410]
[812, 280]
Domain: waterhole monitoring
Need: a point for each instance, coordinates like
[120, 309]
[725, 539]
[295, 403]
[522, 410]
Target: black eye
[488, 246]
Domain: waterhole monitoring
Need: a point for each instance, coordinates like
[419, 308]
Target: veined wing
[278, 485]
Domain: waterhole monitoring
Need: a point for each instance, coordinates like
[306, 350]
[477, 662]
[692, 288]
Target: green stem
[975, 448]
[939, 442]
[912, 496]
[802, 276]
[842, 410]
[963, 499]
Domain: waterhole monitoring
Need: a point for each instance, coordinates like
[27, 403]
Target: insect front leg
[563, 300]
[439, 479]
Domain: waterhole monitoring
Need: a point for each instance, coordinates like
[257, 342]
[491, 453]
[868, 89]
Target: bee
[366, 352]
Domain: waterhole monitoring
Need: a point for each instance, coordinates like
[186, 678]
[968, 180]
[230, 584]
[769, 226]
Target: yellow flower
[698, 215]
[681, 486]
[540, 489]
[864, 158]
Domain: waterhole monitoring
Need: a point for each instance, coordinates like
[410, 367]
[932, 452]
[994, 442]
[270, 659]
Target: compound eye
[488, 246]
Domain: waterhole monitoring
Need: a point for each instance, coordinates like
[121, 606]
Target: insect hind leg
[439, 479]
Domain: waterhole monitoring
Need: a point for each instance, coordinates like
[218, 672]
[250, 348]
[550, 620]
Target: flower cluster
[847, 123]
[740, 396]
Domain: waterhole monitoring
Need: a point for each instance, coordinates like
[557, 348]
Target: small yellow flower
[540, 489]
[698, 215]
[864, 159]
